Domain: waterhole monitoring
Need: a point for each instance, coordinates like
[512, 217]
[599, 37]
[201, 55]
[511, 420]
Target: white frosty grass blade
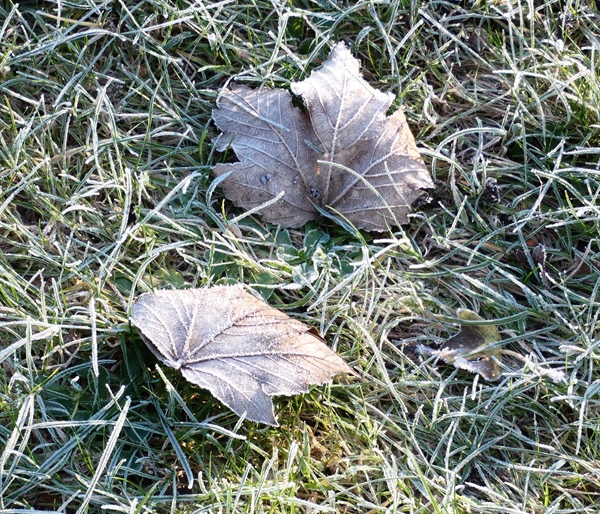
[106, 454]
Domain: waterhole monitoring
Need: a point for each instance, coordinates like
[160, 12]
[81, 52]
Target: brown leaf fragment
[236, 346]
[491, 192]
[346, 155]
[538, 255]
[470, 349]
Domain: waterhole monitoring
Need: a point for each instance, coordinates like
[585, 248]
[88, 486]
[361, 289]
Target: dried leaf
[470, 348]
[491, 193]
[345, 156]
[236, 346]
[538, 255]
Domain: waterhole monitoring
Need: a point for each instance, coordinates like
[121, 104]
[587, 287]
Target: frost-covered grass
[105, 158]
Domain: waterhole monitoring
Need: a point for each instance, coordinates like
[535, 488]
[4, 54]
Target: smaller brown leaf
[470, 348]
[236, 346]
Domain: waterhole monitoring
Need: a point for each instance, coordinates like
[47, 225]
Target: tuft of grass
[106, 192]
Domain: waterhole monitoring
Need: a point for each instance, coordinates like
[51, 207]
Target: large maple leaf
[345, 155]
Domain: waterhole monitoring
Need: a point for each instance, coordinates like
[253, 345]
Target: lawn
[107, 192]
